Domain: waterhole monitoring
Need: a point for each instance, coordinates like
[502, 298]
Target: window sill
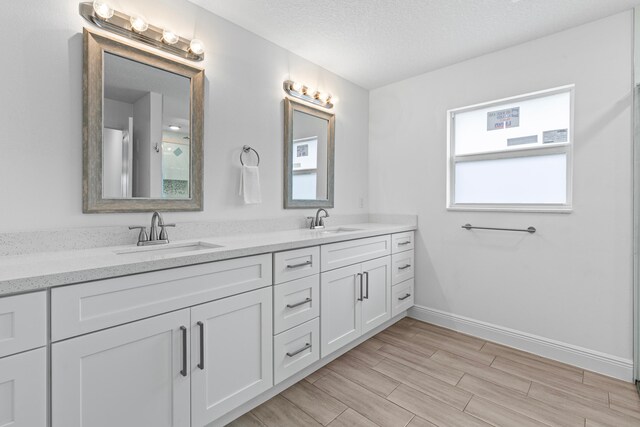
[512, 209]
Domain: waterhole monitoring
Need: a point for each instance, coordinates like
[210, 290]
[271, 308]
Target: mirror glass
[309, 139]
[309, 161]
[146, 138]
[143, 117]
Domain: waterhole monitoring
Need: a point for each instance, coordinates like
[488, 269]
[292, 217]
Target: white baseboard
[591, 360]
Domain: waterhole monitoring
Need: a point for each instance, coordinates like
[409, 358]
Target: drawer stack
[296, 307]
[23, 360]
[402, 273]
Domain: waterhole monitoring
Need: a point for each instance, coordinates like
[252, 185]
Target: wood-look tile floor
[416, 374]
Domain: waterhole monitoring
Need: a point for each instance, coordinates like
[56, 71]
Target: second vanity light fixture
[308, 94]
[135, 27]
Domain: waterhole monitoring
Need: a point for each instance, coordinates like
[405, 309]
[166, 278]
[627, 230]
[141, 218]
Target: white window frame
[547, 149]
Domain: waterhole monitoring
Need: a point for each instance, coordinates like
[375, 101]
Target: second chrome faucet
[153, 238]
[318, 221]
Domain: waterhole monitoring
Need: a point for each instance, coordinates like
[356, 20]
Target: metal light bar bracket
[120, 24]
[288, 87]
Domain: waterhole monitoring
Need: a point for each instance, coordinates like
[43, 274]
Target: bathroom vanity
[193, 333]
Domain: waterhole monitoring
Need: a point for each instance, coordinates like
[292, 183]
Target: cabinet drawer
[402, 267]
[337, 255]
[295, 302]
[291, 265]
[97, 305]
[296, 349]
[402, 242]
[23, 323]
[402, 297]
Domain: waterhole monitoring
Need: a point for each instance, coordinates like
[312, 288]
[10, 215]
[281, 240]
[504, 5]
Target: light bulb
[102, 9]
[196, 46]
[296, 86]
[174, 127]
[169, 37]
[310, 92]
[324, 97]
[138, 24]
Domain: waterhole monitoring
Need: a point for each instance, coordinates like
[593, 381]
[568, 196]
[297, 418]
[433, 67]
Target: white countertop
[23, 273]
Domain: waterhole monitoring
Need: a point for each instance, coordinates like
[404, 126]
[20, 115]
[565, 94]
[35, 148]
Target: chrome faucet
[318, 221]
[153, 238]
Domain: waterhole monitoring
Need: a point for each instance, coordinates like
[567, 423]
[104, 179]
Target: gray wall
[243, 105]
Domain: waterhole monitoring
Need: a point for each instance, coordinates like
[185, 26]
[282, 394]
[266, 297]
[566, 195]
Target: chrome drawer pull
[299, 303]
[404, 297]
[299, 265]
[404, 267]
[404, 243]
[201, 364]
[306, 347]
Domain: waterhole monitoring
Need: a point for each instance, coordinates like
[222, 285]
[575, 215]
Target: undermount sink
[167, 249]
[338, 230]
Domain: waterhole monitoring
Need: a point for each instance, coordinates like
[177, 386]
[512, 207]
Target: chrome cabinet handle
[366, 274]
[183, 371]
[300, 265]
[307, 346]
[404, 267]
[299, 303]
[359, 275]
[404, 297]
[404, 243]
[201, 364]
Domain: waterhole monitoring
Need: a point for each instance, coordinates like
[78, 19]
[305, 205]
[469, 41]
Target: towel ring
[247, 149]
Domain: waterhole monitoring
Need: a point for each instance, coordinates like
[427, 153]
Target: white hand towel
[250, 184]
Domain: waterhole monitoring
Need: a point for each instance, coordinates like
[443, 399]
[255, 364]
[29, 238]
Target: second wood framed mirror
[309, 150]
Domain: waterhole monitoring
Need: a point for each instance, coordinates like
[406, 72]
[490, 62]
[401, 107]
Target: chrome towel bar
[530, 230]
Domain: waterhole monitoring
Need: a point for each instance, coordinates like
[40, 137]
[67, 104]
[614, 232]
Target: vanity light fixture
[307, 93]
[135, 27]
[174, 127]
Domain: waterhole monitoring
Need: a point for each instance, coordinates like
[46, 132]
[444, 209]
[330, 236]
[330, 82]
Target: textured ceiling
[376, 42]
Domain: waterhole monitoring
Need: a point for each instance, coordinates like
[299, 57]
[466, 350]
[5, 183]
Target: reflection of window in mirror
[309, 177]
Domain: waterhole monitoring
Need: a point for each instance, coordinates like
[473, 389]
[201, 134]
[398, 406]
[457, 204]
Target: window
[512, 154]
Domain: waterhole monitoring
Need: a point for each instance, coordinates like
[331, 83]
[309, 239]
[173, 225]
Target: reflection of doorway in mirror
[305, 168]
[175, 165]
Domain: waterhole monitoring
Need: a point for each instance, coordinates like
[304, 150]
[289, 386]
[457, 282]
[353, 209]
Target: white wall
[42, 75]
[572, 280]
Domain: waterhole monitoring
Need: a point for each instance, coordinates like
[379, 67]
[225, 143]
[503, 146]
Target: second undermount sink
[169, 248]
[338, 230]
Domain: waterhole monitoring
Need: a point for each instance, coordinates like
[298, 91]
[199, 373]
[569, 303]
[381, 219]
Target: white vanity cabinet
[23, 360]
[231, 357]
[185, 367]
[356, 298]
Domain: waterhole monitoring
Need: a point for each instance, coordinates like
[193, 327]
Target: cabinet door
[232, 353]
[23, 389]
[132, 375]
[376, 301]
[340, 308]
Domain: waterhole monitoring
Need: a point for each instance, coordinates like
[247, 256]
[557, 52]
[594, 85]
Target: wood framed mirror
[309, 150]
[142, 129]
